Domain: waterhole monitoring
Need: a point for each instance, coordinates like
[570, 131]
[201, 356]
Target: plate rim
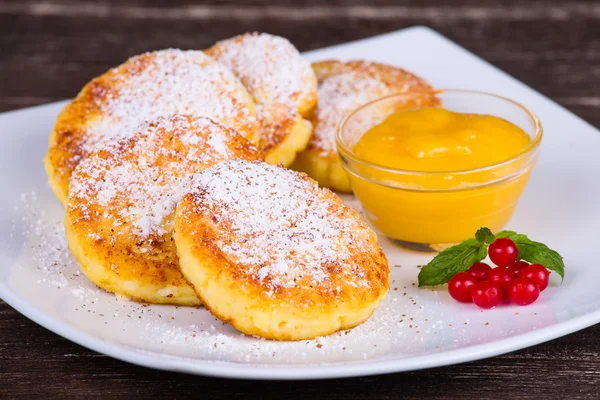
[223, 369]
[251, 371]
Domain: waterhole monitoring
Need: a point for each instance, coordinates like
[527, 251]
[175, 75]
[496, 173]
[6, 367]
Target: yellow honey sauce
[434, 176]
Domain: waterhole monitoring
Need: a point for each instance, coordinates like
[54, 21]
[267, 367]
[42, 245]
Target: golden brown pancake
[275, 255]
[122, 197]
[343, 87]
[144, 88]
[282, 84]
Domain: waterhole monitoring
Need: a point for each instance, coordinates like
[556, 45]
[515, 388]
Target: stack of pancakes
[171, 167]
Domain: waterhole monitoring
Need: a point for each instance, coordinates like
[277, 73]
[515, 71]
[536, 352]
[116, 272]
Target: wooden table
[49, 49]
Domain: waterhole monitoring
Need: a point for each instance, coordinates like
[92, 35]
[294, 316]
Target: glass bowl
[430, 210]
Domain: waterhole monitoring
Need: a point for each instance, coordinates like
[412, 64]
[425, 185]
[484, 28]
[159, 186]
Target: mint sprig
[459, 258]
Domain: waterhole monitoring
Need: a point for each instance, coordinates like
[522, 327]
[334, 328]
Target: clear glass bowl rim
[343, 150]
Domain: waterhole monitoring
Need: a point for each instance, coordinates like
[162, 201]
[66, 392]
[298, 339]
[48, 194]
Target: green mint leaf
[505, 234]
[483, 252]
[452, 261]
[484, 235]
[539, 253]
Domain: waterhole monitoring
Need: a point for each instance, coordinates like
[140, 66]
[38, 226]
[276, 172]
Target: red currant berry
[503, 252]
[460, 287]
[523, 291]
[487, 294]
[502, 276]
[480, 271]
[518, 266]
[538, 274]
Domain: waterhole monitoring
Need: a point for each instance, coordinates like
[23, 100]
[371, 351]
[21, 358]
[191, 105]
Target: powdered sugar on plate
[46, 276]
[46, 249]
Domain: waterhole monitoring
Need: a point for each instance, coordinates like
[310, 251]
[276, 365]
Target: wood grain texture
[49, 49]
[59, 45]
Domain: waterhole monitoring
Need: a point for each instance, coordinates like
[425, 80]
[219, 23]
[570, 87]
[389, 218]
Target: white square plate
[412, 329]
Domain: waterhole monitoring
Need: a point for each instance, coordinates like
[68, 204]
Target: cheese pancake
[275, 255]
[122, 197]
[282, 84]
[146, 87]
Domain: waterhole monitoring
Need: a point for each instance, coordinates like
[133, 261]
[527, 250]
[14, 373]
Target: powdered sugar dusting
[285, 228]
[279, 79]
[138, 181]
[165, 83]
[269, 66]
[338, 96]
[217, 142]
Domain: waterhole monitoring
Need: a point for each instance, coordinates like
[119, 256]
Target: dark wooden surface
[49, 49]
